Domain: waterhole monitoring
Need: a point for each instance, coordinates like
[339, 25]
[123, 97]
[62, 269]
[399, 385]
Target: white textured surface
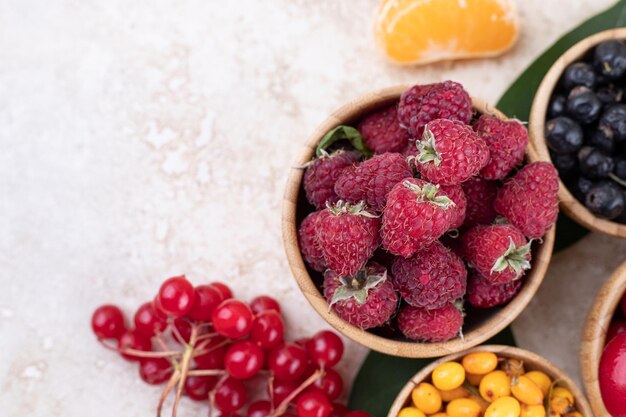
[145, 139]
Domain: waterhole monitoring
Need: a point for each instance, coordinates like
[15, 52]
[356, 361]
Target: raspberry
[368, 299]
[480, 194]
[457, 212]
[499, 252]
[309, 245]
[431, 278]
[417, 213]
[348, 236]
[422, 103]
[372, 180]
[450, 152]
[507, 141]
[529, 200]
[319, 178]
[438, 325]
[481, 294]
[382, 132]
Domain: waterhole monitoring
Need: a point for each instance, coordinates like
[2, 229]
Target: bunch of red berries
[207, 345]
[425, 194]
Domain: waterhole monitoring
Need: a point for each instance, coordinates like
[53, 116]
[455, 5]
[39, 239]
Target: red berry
[264, 303]
[155, 371]
[107, 322]
[371, 180]
[431, 278]
[149, 321]
[232, 319]
[450, 152]
[313, 404]
[130, 339]
[309, 245]
[325, 348]
[223, 289]
[437, 325]
[382, 132]
[612, 376]
[184, 328]
[481, 294]
[288, 362]
[176, 296]
[339, 410]
[260, 408]
[457, 211]
[616, 327]
[529, 200]
[356, 413]
[480, 195]
[207, 297]
[231, 395]
[243, 359]
[331, 384]
[214, 357]
[198, 387]
[281, 390]
[268, 330]
[320, 176]
[348, 236]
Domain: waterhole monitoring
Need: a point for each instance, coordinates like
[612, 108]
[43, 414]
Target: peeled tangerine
[423, 31]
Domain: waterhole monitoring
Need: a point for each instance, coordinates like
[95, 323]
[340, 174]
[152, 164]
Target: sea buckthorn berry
[449, 375]
[526, 391]
[480, 363]
[463, 407]
[474, 379]
[454, 394]
[513, 367]
[440, 414]
[573, 414]
[504, 407]
[494, 385]
[176, 296]
[426, 398]
[563, 392]
[483, 404]
[533, 411]
[542, 380]
[411, 412]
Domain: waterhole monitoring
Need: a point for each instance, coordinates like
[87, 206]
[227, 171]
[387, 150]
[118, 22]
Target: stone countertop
[146, 139]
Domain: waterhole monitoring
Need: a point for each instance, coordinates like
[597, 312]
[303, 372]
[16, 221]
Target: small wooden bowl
[594, 335]
[531, 361]
[570, 205]
[292, 213]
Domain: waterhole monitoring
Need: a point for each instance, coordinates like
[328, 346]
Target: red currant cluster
[205, 344]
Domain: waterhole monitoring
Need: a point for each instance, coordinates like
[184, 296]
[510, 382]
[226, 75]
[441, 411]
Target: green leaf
[517, 100]
[342, 132]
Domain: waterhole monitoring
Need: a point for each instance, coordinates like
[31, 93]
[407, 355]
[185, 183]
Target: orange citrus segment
[422, 31]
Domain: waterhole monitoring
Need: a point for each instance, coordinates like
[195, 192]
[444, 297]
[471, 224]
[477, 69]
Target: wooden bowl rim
[594, 335]
[536, 361]
[490, 327]
[570, 205]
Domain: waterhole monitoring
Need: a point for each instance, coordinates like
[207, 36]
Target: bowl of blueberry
[578, 121]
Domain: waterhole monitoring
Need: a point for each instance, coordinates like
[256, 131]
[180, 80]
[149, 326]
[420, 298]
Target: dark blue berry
[583, 105]
[620, 169]
[565, 163]
[609, 94]
[563, 135]
[594, 163]
[613, 119]
[579, 73]
[605, 199]
[610, 59]
[557, 105]
[601, 139]
[580, 187]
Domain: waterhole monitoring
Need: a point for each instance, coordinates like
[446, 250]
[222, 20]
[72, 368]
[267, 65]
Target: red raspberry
[450, 152]
[480, 194]
[438, 325]
[529, 200]
[372, 180]
[367, 300]
[507, 140]
[309, 245]
[320, 176]
[431, 278]
[457, 212]
[499, 252]
[422, 103]
[481, 294]
[348, 236]
[382, 132]
[417, 213]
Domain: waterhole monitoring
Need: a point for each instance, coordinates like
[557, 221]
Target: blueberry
[579, 73]
[565, 163]
[594, 163]
[609, 94]
[605, 199]
[620, 169]
[557, 105]
[583, 105]
[610, 59]
[614, 119]
[580, 187]
[601, 139]
[563, 135]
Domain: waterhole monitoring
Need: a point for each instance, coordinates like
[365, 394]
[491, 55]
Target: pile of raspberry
[423, 208]
[208, 346]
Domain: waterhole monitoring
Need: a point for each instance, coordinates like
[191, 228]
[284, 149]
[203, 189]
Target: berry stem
[170, 384]
[199, 349]
[176, 333]
[206, 372]
[140, 353]
[184, 367]
[282, 407]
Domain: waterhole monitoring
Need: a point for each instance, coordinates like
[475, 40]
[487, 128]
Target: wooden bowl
[594, 335]
[569, 204]
[531, 360]
[293, 212]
